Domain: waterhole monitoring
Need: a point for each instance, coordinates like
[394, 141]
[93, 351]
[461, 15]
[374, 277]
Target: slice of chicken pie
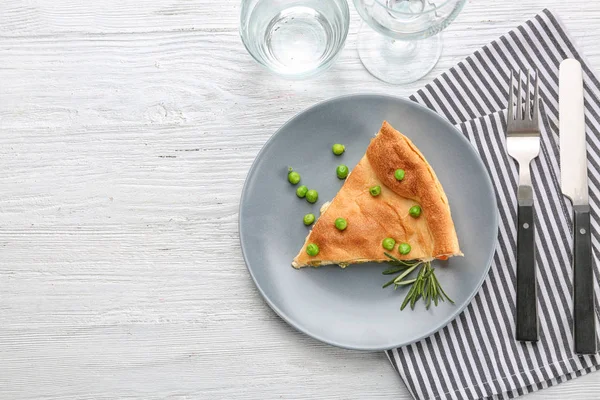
[373, 217]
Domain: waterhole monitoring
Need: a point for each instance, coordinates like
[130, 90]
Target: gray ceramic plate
[348, 307]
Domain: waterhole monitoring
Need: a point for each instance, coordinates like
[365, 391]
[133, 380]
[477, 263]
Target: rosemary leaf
[424, 286]
[388, 283]
[444, 293]
[406, 273]
[428, 302]
[414, 301]
[401, 262]
[395, 269]
[427, 286]
[407, 298]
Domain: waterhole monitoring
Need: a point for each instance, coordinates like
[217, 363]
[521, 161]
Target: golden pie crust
[372, 219]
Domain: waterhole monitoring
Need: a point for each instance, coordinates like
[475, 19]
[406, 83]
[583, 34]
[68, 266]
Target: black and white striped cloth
[476, 355]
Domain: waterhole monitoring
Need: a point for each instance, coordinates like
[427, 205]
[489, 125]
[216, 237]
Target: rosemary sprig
[425, 285]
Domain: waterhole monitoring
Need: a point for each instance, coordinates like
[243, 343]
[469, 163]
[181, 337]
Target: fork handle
[527, 313]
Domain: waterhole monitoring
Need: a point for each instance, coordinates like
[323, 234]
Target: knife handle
[583, 283]
[527, 315]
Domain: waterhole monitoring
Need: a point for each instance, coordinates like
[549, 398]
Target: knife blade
[574, 185]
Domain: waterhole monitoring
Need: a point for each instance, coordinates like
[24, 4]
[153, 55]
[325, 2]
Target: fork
[523, 144]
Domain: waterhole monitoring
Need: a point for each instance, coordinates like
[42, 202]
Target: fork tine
[528, 97]
[519, 99]
[536, 98]
[511, 100]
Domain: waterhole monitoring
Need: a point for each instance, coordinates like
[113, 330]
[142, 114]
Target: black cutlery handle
[527, 315]
[583, 283]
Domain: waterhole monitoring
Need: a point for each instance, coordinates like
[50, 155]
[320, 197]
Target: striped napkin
[476, 355]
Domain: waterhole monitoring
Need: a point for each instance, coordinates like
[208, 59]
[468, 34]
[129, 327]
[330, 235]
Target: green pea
[338, 149]
[415, 211]
[342, 171]
[293, 177]
[341, 224]
[312, 196]
[404, 248]
[375, 191]
[388, 243]
[399, 174]
[312, 249]
[309, 219]
[301, 191]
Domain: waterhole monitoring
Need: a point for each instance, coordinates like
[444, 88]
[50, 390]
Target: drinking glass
[400, 40]
[294, 38]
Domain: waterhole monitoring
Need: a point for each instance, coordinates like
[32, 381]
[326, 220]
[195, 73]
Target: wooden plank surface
[127, 128]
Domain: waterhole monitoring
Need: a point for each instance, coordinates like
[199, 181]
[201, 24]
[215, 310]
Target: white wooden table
[127, 128]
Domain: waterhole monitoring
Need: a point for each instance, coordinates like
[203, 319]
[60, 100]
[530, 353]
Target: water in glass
[294, 38]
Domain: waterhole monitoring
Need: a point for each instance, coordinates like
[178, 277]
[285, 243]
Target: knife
[574, 185]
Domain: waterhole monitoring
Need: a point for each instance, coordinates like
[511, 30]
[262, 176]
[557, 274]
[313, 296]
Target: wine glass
[400, 40]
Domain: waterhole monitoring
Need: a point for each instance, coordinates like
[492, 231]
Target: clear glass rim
[383, 3]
